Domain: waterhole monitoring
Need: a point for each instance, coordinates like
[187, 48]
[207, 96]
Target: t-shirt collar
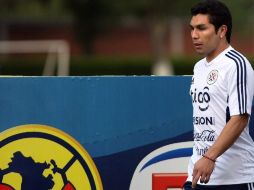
[218, 56]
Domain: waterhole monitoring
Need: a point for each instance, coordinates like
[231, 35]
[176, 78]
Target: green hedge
[21, 66]
[90, 66]
[110, 66]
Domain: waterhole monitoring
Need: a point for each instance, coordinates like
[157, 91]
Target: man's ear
[222, 31]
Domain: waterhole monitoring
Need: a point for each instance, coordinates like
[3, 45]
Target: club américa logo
[38, 157]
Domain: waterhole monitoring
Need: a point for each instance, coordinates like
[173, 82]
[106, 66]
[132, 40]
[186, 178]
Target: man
[222, 90]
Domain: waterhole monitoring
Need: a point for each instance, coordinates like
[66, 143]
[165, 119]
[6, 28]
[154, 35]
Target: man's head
[218, 14]
[211, 26]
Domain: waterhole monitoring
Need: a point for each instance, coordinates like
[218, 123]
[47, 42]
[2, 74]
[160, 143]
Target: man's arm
[230, 133]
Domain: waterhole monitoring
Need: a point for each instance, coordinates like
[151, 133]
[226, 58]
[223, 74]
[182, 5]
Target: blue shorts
[245, 186]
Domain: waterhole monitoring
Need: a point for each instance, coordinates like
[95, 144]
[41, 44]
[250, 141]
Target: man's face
[203, 34]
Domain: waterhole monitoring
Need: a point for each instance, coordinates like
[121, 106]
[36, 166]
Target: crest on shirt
[212, 77]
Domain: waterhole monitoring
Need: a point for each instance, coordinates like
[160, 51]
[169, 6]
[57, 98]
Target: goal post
[57, 51]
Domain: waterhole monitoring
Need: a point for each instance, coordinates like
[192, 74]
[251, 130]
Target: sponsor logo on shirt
[201, 151]
[203, 136]
[203, 120]
[206, 135]
[201, 97]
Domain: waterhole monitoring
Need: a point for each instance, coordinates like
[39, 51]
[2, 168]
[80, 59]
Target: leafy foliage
[33, 9]
[94, 16]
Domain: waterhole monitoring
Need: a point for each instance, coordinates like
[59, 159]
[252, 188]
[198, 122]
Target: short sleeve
[240, 87]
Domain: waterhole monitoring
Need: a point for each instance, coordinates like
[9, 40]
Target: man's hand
[202, 170]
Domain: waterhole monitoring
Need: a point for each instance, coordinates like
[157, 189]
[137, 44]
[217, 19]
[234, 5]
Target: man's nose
[194, 34]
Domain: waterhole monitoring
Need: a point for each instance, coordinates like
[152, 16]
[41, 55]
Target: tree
[159, 15]
[89, 17]
[94, 16]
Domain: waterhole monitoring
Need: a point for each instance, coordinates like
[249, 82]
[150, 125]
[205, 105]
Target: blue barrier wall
[105, 114]
[118, 120]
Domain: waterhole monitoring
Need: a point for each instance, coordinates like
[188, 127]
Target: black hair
[218, 13]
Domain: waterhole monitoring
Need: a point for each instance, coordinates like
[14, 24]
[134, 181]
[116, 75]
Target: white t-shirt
[222, 88]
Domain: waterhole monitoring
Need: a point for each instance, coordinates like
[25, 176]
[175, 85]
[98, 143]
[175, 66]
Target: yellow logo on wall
[37, 157]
